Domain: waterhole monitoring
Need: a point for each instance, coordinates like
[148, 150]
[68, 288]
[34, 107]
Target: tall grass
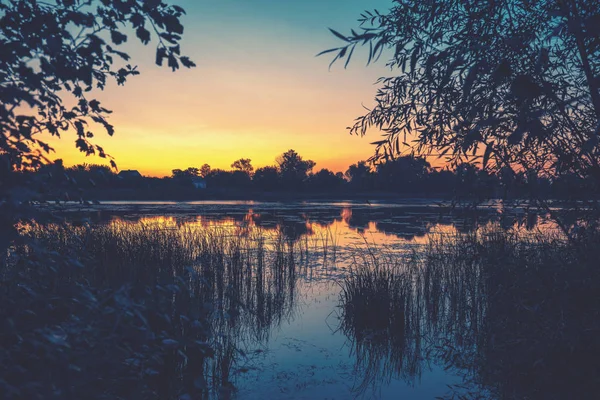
[517, 314]
[134, 310]
[379, 314]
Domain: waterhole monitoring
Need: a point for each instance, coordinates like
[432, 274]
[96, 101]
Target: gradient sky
[257, 91]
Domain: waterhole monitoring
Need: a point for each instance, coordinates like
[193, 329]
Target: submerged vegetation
[138, 311]
[517, 314]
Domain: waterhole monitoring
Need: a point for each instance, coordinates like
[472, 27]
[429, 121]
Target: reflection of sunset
[346, 228]
[346, 214]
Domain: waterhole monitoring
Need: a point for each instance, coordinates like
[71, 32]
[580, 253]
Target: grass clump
[135, 310]
[379, 314]
[517, 314]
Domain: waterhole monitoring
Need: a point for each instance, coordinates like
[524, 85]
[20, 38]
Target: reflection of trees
[405, 222]
[408, 230]
[291, 225]
[294, 230]
[359, 220]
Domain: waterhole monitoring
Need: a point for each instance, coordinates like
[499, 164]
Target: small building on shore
[199, 183]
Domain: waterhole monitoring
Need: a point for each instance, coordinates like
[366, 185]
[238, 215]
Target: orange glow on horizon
[156, 160]
[257, 91]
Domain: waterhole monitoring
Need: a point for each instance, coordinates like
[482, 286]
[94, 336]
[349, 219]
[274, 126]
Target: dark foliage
[516, 314]
[136, 311]
[53, 55]
[404, 176]
[509, 84]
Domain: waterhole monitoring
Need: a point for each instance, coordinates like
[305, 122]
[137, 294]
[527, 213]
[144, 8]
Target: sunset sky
[257, 91]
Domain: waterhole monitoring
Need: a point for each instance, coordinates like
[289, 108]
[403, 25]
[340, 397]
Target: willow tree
[512, 84]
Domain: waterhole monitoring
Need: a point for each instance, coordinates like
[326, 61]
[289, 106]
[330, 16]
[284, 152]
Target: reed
[516, 314]
[380, 316]
[138, 310]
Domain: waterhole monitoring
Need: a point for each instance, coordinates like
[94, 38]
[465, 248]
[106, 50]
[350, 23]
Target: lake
[301, 350]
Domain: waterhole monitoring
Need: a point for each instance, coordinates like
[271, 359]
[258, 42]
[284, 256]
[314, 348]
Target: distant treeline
[293, 176]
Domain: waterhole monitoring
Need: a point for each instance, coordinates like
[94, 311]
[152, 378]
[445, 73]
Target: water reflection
[380, 223]
[251, 291]
[268, 290]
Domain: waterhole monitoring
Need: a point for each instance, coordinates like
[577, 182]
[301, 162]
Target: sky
[258, 90]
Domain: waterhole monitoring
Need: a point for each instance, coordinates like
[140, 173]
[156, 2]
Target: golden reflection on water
[346, 228]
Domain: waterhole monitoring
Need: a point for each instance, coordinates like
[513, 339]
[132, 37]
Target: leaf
[161, 53]
[170, 342]
[94, 105]
[486, 155]
[187, 62]
[172, 24]
[81, 145]
[137, 20]
[173, 64]
[178, 9]
[348, 58]
[327, 51]
[339, 35]
[143, 34]
[414, 57]
[58, 339]
[117, 37]
[170, 37]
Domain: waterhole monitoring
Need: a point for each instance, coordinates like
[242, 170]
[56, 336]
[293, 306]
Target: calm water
[301, 353]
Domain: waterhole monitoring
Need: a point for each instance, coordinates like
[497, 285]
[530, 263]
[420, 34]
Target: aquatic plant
[381, 316]
[137, 310]
[515, 313]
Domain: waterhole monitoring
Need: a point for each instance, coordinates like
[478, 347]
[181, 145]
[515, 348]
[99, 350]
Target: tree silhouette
[325, 180]
[243, 165]
[190, 172]
[293, 169]
[204, 170]
[406, 173]
[52, 52]
[266, 178]
[510, 84]
[218, 178]
[360, 175]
